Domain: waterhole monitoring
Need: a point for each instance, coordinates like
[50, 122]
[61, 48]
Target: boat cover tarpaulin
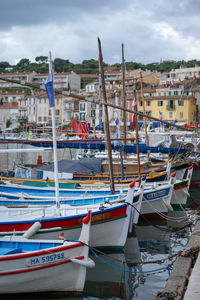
[84, 166]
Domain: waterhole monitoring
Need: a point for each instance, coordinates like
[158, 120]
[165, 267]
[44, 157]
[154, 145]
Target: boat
[44, 266]
[79, 179]
[110, 221]
[98, 194]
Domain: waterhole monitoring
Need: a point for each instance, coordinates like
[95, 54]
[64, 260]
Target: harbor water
[141, 270]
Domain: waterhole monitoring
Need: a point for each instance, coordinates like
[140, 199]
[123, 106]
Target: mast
[107, 131]
[144, 118]
[137, 139]
[50, 92]
[117, 122]
[124, 95]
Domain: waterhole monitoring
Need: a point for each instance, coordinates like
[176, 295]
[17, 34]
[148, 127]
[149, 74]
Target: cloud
[150, 30]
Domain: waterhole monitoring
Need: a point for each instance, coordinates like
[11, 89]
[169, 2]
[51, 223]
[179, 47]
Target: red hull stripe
[40, 252]
[180, 187]
[67, 222]
[38, 268]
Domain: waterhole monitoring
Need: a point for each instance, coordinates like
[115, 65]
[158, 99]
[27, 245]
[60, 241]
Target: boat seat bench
[6, 251]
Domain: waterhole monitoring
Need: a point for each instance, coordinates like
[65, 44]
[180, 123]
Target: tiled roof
[16, 73]
[55, 74]
[88, 75]
[9, 105]
[11, 93]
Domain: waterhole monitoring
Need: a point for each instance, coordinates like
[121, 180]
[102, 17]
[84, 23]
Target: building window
[82, 116]
[57, 112]
[92, 113]
[82, 106]
[181, 115]
[45, 119]
[171, 104]
[180, 102]
[160, 102]
[170, 114]
[39, 119]
[57, 101]
[100, 113]
[148, 103]
[93, 105]
[140, 103]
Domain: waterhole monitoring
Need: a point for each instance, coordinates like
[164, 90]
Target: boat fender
[32, 230]
[85, 263]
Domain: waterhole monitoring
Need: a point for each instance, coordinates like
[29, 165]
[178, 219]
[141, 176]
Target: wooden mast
[124, 97]
[107, 131]
[144, 118]
[137, 139]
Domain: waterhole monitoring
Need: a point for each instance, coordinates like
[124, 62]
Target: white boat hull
[24, 279]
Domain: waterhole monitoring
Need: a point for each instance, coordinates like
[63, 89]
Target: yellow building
[170, 105]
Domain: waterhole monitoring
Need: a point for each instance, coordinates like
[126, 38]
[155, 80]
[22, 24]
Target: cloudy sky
[150, 29]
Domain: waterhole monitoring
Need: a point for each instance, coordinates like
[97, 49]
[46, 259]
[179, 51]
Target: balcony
[171, 107]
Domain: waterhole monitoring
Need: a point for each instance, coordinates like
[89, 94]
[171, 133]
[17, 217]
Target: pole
[118, 135]
[107, 131]
[54, 143]
[124, 95]
[137, 140]
[145, 120]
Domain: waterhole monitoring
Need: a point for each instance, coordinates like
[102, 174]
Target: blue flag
[117, 121]
[49, 89]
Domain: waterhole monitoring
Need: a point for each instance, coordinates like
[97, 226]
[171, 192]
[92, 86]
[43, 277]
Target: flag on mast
[117, 120]
[49, 86]
[161, 118]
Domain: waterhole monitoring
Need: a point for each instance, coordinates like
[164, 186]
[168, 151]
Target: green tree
[41, 59]
[24, 62]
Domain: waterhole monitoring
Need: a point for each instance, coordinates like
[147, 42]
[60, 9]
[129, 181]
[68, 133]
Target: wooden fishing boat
[110, 221]
[44, 266]
[79, 179]
[156, 198]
